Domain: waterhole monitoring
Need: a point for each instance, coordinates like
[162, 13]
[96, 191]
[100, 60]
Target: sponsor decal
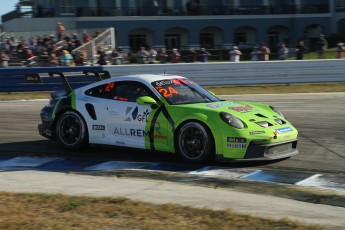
[241, 108]
[275, 135]
[109, 86]
[137, 133]
[214, 106]
[131, 132]
[236, 142]
[256, 132]
[284, 130]
[236, 146]
[237, 139]
[286, 137]
[134, 115]
[98, 127]
[158, 127]
[164, 82]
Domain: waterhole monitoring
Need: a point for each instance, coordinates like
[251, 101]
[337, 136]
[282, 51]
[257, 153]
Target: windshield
[182, 91]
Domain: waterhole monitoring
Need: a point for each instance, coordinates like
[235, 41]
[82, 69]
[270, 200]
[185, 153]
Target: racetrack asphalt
[318, 117]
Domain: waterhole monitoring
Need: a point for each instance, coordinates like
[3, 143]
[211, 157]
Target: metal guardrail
[231, 73]
[217, 73]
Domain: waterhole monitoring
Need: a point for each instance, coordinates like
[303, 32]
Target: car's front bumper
[272, 151]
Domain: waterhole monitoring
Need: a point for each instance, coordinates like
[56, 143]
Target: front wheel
[71, 130]
[195, 143]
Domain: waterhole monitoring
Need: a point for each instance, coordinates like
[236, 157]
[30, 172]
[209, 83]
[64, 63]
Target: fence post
[93, 52]
[112, 37]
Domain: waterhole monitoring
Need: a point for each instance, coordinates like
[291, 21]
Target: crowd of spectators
[56, 50]
[47, 50]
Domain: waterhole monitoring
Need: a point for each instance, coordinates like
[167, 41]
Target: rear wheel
[71, 130]
[195, 143]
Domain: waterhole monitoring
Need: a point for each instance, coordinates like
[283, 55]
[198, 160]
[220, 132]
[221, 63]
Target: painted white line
[310, 181]
[222, 172]
[251, 174]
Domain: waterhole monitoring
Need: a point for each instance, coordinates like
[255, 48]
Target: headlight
[231, 120]
[277, 111]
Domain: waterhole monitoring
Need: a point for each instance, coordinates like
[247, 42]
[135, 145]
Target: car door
[129, 123]
[93, 104]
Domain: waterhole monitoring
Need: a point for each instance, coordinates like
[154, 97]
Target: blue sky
[7, 6]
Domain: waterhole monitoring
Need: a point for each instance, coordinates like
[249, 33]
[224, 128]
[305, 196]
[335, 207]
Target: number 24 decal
[167, 92]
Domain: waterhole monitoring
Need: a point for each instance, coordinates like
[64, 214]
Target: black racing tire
[195, 143]
[71, 130]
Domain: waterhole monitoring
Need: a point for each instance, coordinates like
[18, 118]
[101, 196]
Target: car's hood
[248, 112]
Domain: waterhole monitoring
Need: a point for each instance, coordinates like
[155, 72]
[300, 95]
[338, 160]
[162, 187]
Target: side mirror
[146, 100]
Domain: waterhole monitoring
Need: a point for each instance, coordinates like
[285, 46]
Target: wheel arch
[201, 122]
[61, 111]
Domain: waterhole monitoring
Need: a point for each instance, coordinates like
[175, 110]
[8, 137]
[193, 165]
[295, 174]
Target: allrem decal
[137, 133]
[131, 132]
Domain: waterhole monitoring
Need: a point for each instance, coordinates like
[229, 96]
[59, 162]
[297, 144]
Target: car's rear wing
[37, 78]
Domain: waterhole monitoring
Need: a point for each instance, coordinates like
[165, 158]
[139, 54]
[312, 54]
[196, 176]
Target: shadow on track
[46, 148]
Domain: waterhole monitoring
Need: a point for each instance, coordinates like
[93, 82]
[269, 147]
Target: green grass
[330, 54]
[42, 211]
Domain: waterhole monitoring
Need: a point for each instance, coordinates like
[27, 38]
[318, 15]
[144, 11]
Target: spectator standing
[322, 46]
[66, 59]
[204, 54]
[175, 56]
[235, 54]
[143, 55]
[79, 58]
[44, 59]
[54, 61]
[192, 56]
[152, 55]
[163, 56]
[283, 52]
[116, 57]
[300, 49]
[60, 30]
[340, 50]
[4, 59]
[102, 56]
[264, 53]
[254, 55]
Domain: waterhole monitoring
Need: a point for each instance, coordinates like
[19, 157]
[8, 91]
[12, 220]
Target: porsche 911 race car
[166, 113]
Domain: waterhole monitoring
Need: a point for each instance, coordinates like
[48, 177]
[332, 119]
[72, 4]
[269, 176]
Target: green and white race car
[166, 113]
